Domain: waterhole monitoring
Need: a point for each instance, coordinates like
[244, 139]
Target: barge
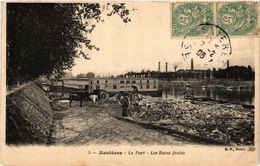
[106, 87]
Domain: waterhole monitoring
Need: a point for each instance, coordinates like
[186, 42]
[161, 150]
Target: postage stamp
[188, 15]
[238, 18]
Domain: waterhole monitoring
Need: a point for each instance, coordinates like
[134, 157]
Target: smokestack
[159, 66]
[192, 67]
[227, 63]
[166, 66]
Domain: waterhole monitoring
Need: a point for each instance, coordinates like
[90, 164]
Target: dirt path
[97, 125]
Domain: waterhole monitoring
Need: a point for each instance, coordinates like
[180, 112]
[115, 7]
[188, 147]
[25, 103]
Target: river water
[244, 96]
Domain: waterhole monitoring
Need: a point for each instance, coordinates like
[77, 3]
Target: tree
[81, 75]
[239, 73]
[44, 38]
[68, 74]
[90, 75]
[87, 75]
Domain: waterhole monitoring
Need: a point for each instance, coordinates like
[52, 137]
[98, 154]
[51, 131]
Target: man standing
[135, 99]
[125, 102]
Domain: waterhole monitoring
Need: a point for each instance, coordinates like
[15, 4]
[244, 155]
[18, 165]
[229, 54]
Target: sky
[146, 40]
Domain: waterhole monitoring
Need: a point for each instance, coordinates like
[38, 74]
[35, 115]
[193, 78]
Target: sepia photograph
[166, 74]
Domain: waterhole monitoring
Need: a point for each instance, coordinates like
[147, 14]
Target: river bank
[207, 83]
[32, 118]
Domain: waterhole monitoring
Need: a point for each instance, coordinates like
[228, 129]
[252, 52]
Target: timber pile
[226, 123]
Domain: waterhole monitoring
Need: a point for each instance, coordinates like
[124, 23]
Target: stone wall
[29, 117]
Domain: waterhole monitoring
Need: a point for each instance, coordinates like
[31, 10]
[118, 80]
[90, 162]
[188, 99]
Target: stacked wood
[227, 123]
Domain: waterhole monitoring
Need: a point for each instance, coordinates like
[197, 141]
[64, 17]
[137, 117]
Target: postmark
[186, 16]
[208, 49]
[238, 18]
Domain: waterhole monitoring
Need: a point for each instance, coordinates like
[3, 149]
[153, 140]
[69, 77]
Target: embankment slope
[29, 116]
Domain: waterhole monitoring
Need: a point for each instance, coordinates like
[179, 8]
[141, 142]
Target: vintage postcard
[130, 83]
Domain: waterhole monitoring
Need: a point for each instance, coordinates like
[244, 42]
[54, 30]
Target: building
[113, 84]
[180, 75]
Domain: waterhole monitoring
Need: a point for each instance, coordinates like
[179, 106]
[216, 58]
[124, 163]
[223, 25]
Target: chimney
[159, 66]
[166, 66]
[192, 67]
[227, 63]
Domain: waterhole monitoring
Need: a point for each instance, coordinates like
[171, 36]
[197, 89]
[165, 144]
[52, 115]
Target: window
[97, 81]
[154, 81]
[114, 86]
[147, 86]
[140, 81]
[128, 82]
[122, 82]
[133, 81]
[147, 81]
[106, 86]
[98, 87]
[154, 86]
[141, 86]
[106, 81]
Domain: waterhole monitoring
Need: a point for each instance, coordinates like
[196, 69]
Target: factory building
[182, 75]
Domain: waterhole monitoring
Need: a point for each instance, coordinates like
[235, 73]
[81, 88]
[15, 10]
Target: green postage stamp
[235, 18]
[188, 15]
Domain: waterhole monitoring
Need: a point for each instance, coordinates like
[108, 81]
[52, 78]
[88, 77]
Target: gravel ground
[95, 124]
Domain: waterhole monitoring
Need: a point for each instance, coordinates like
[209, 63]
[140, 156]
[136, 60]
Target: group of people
[127, 98]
